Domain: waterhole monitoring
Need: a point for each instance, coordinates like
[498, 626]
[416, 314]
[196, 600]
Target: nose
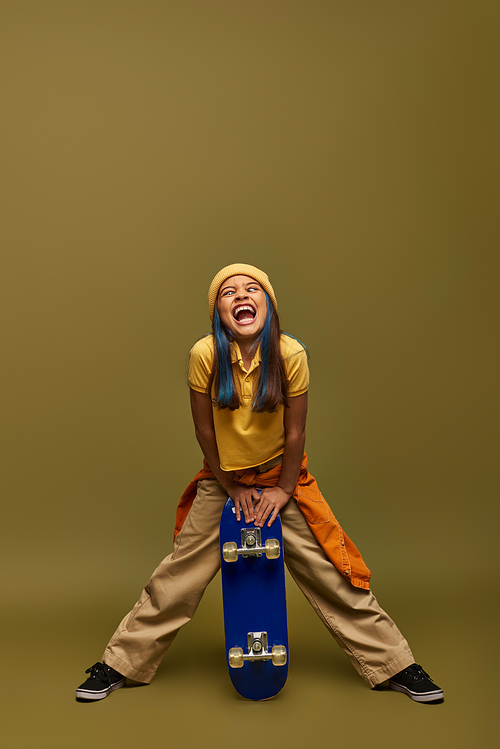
[242, 294]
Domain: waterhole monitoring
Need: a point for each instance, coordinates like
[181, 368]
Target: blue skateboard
[254, 600]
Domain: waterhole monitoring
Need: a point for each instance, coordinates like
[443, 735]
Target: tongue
[245, 315]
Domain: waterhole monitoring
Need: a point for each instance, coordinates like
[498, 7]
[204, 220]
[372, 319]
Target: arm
[243, 497]
[274, 498]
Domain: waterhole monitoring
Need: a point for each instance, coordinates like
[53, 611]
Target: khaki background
[348, 148]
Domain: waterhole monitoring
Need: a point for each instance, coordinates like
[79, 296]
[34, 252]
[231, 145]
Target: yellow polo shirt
[245, 438]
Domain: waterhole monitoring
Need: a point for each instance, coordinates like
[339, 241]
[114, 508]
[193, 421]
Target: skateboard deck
[254, 601]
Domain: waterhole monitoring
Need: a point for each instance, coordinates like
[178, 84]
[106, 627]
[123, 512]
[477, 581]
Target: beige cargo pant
[363, 630]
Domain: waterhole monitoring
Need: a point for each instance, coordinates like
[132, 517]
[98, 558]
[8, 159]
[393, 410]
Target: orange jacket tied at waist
[335, 543]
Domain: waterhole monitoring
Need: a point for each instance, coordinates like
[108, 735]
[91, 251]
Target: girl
[248, 386]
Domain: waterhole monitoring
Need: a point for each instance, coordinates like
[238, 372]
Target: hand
[244, 498]
[269, 504]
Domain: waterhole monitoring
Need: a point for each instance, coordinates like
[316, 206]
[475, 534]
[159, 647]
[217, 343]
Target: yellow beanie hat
[238, 269]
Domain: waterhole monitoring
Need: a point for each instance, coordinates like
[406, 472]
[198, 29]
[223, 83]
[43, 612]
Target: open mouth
[244, 314]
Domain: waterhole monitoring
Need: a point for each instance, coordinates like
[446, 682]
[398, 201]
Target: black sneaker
[417, 684]
[102, 680]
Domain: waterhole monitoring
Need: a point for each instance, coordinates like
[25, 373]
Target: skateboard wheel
[279, 655]
[230, 551]
[236, 657]
[272, 548]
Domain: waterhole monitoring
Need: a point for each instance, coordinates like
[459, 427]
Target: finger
[273, 517]
[259, 512]
[244, 510]
[264, 515]
[256, 496]
[237, 508]
[248, 511]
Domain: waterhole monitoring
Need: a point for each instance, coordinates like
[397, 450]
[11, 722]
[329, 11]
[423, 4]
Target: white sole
[86, 694]
[438, 694]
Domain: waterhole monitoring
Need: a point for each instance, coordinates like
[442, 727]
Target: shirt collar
[237, 357]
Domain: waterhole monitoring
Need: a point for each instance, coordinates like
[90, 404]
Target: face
[242, 307]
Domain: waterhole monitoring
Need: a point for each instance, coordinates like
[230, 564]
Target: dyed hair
[272, 387]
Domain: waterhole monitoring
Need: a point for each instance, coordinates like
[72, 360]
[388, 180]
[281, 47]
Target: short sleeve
[200, 364]
[296, 367]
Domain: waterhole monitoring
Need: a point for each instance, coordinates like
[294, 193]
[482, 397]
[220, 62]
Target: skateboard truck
[257, 651]
[251, 546]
